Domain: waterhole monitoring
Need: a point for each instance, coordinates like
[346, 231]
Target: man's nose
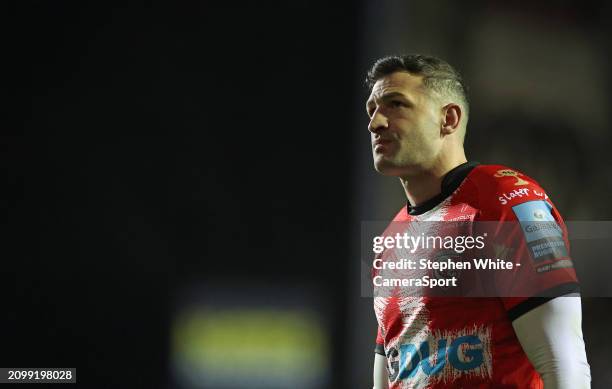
[378, 122]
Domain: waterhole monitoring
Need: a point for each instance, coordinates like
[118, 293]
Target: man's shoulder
[501, 187]
[500, 176]
[489, 178]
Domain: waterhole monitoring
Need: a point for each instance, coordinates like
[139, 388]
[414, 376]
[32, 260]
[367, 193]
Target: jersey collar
[450, 183]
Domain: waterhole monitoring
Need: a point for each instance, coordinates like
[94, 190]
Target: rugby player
[418, 111]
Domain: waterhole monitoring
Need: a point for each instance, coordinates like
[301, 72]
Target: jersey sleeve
[529, 231]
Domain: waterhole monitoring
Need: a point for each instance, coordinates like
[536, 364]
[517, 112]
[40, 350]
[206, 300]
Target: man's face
[405, 124]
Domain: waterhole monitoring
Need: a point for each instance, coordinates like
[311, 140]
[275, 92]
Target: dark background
[144, 143]
[150, 139]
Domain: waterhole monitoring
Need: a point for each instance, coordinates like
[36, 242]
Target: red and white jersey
[459, 342]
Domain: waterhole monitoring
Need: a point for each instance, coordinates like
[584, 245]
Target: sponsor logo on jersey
[530, 228]
[442, 357]
[511, 173]
[543, 235]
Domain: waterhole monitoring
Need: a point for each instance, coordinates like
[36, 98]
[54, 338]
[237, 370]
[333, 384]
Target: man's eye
[396, 103]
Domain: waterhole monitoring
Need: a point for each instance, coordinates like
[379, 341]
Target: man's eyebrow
[391, 95]
[388, 96]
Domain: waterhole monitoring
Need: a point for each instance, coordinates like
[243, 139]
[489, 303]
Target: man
[418, 112]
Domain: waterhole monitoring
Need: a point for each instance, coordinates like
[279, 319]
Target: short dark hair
[438, 75]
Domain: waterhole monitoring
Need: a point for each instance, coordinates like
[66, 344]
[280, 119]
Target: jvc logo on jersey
[462, 354]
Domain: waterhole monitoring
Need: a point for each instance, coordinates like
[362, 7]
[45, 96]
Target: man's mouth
[381, 144]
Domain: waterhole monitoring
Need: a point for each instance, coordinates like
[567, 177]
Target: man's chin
[387, 168]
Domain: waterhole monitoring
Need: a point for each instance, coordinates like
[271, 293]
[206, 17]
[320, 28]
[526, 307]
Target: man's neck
[428, 183]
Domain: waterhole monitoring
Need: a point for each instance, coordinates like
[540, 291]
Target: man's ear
[451, 119]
